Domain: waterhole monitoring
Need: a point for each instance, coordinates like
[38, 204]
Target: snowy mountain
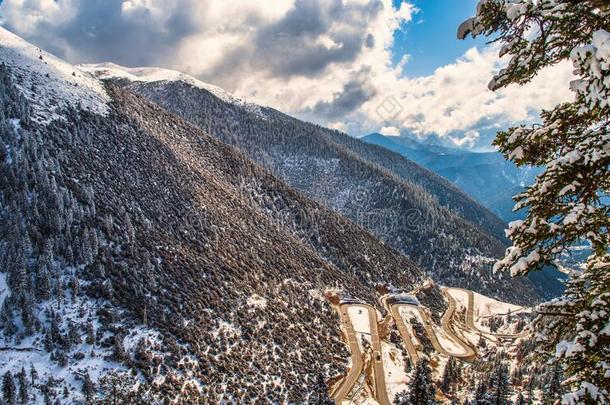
[144, 260]
[487, 177]
[408, 207]
[142, 257]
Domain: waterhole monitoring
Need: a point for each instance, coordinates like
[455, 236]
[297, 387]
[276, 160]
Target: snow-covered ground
[49, 83]
[485, 306]
[256, 301]
[394, 368]
[82, 358]
[461, 298]
[3, 288]
[406, 314]
[359, 315]
[447, 342]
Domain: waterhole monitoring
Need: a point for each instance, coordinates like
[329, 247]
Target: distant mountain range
[487, 177]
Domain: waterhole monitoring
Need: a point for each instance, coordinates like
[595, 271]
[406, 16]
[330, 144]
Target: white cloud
[469, 139]
[389, 131]
[324, 60]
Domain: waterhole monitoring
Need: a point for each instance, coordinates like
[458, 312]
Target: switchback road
[470, 317]
[381, 393]
[468, 352]
[357, 363]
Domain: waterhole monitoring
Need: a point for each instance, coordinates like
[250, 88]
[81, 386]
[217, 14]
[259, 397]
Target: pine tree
[119, 349]
[42, 283]
[88, 389]
[520, 400]
[75, 284]
[33, 373]
[481, 396]
[530, 390]
[6, 318]
[552, 390]
[320, 395]
[499, 385]
[450, 375]
[23, 386]
[9, 391]
[402, 398]
[90, 334]
[117, 388]
[569, 202]
[421, 389]
[73, 334]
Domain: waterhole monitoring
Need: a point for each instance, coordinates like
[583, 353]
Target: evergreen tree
[520, 400]
[552, 389]
[90, 333]
[33, 373]
[119, 349]
[75, 284]
[402, 398]
[481, 396]
[421, 389]
[88, 389]
[530, 390]
[73, 334]
[42, 283]
[7, 323]
[117, 388]
[9, 391]
[569, 202]
[450, 375]
[23, 386]
[320, 395]
[499, 385]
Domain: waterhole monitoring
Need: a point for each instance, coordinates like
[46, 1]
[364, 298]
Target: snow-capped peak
[110, 70]
[48, 82]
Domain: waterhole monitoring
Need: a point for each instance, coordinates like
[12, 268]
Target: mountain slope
[408, 207]
[130, 239]
[487, 177]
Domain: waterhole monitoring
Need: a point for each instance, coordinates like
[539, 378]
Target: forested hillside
[411, 209]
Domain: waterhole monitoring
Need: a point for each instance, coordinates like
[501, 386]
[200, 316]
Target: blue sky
[430, 38]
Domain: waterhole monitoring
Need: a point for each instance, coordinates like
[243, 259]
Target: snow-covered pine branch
[570, 200]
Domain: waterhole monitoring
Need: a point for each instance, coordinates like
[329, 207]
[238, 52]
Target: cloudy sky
[361, 66]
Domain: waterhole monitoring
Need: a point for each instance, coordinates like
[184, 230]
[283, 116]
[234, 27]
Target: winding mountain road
[470, 316]
[346, 386]
[468, 352]
[448, 323]
[405, 334]
[357, 363]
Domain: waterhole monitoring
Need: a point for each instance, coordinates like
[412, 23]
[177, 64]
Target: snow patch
[3, 288]
[256, 301]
